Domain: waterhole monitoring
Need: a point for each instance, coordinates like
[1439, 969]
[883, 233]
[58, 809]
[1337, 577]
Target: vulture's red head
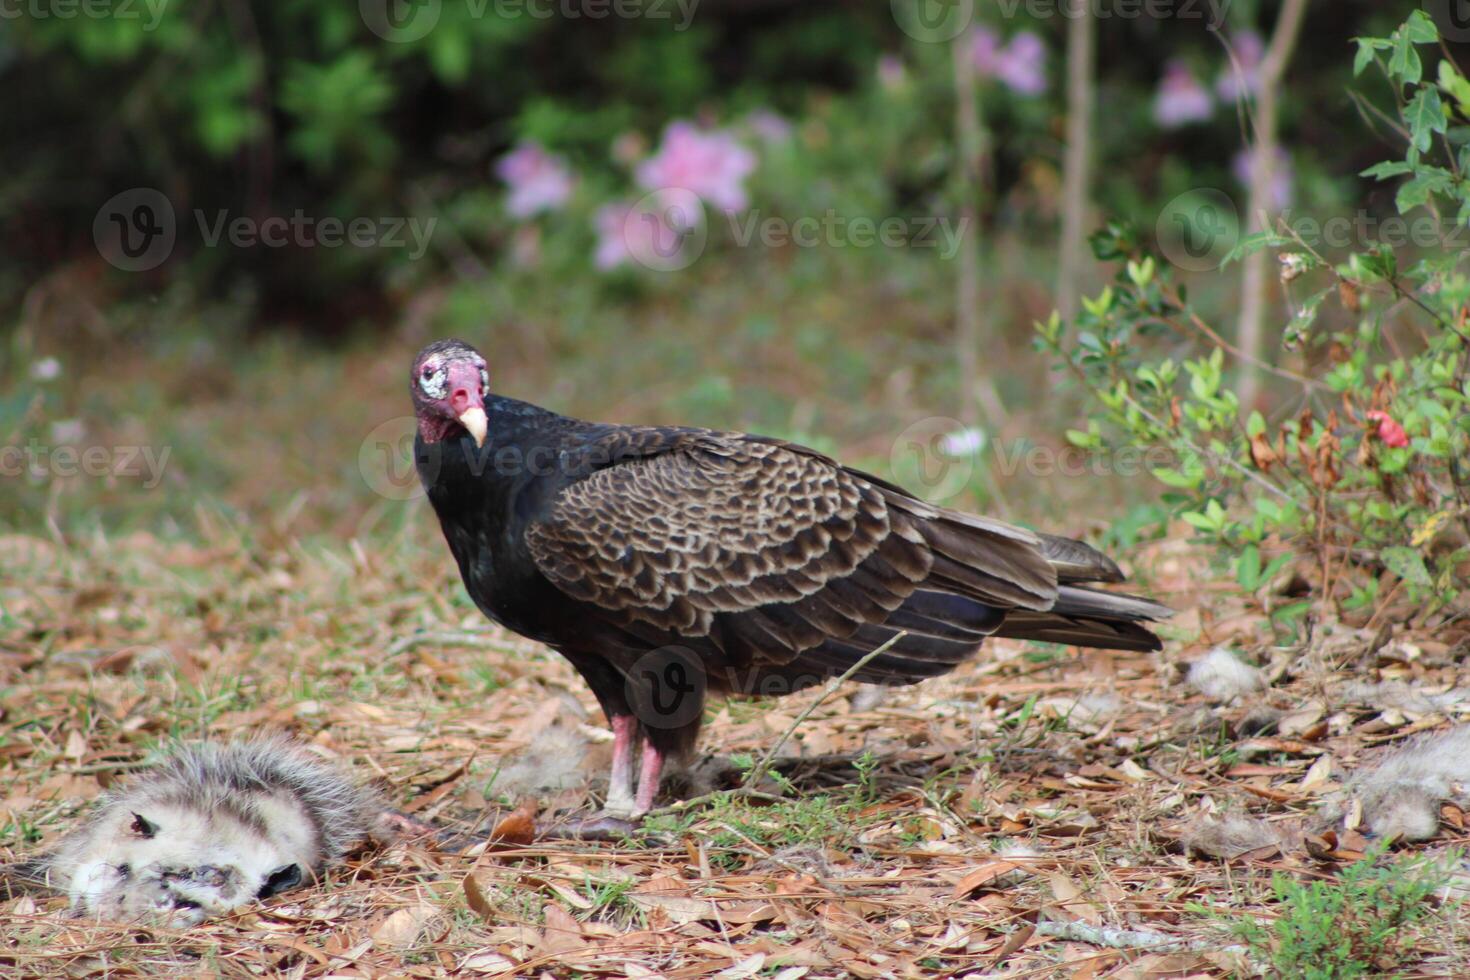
[449, 384]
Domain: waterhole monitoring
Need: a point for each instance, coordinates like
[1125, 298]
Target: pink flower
[892, 75]
[712, 164]
[1020, 65]
[1249, 51]
[612, 245]
[1281, 175]
[985, 51]
[1023, 64]
[1180, 98]
[1389, 430]
[538, 180]
[655, 232]
[768, 126]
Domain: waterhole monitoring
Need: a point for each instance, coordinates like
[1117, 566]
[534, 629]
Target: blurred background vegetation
[501, 158]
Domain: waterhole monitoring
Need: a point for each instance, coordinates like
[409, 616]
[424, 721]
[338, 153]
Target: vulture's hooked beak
[466, 400]
[474, 421]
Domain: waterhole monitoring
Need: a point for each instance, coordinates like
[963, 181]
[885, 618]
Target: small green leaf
[1366, 47]
[1386, 169]
[1174, 478]
[1404, 64]
[1420, 29]
[1407, 564]
[1425, 116]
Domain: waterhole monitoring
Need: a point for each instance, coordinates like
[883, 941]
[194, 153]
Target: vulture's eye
[432, 380]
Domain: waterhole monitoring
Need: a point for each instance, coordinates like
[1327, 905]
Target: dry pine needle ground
[956, 827]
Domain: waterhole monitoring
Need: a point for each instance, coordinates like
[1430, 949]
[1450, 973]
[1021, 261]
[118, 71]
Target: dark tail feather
[1089, 618]
[1078, 562]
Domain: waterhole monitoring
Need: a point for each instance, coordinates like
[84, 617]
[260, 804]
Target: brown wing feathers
[775, 552]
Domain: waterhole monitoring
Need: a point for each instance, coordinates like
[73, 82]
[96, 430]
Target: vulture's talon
[600, 827]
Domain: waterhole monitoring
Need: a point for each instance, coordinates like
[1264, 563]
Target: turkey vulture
[667, 562]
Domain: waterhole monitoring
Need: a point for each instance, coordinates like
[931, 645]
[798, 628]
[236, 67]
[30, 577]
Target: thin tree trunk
[971, 148]
[979, 399]
[1076, 164]
[1261, 204]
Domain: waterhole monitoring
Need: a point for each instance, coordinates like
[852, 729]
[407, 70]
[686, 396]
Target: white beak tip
[476, 424]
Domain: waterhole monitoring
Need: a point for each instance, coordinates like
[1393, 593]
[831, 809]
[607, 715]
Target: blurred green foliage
[263, 109]
[1369, 464]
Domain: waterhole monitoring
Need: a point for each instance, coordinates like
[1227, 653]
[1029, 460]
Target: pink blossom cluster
[1020, 65]
[711, 163]
[656, 232]
[1250, 51]
[538, 181]
[1182, 98]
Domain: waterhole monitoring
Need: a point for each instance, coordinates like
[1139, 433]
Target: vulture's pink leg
[648, 778]
[620, 782]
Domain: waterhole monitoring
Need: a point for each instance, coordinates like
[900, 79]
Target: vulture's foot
[603, 826]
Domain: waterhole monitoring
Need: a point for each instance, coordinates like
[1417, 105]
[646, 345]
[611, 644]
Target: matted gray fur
[211, 828]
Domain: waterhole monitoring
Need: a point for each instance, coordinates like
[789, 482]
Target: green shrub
[1356, 926]
[1370, 466]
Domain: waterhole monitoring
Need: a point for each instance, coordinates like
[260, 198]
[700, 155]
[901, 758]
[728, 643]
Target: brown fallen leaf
[561, 933]
[1014, 942]
[475, 898]
[517, 827]
[984, 875]
[740, 913]
[403, 927]
[680, 909]
[487, 960]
